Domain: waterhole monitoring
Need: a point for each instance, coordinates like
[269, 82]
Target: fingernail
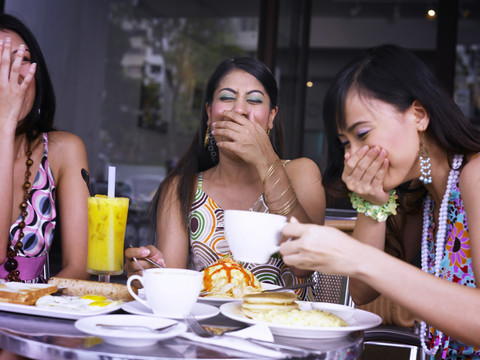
[145, 252]
[162, 263]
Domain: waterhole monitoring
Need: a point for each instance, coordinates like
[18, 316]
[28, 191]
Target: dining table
[45, 337]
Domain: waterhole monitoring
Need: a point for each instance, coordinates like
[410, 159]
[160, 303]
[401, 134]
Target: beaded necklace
[11, 264]
[439, 244]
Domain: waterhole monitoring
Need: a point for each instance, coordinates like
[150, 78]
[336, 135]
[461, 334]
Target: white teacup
[169, 292]
[253, 236]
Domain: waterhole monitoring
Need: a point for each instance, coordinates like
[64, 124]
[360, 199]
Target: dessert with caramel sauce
[228, 279]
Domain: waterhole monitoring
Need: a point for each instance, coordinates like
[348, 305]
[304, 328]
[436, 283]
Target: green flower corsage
[376, 212]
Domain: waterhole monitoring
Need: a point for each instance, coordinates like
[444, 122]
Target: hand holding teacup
[253, 236]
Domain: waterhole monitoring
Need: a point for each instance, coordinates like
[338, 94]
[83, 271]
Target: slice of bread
[76, 287]
[22, 293]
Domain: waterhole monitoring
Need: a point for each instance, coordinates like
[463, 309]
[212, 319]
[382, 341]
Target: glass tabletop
[41, 337]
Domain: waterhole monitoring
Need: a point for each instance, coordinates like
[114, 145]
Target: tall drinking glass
[107, 221]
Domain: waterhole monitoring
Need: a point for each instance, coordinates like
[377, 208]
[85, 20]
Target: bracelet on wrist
[379, 213]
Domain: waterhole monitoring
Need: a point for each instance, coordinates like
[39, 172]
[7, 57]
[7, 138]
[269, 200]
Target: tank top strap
[200, 180]
[45, 144]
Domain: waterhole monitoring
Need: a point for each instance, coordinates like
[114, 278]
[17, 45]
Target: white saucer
[129, 337]
[199, 311]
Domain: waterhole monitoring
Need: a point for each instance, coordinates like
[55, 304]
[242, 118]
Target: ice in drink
[107, 220]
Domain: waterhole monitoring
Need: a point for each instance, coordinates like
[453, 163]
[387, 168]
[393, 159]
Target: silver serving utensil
[135, 327]
[147, 260]
[291, 287]
[136, 261]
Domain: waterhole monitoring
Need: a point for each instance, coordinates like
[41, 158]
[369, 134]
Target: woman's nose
[240, 107]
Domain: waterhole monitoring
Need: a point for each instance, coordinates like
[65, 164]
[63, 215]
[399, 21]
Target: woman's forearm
[430, 298]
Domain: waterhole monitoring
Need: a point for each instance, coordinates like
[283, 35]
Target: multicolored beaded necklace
[11, 264]
[439, 244]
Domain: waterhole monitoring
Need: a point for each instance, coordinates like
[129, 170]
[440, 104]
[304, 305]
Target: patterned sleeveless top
[456, 266]
[208, 244]
[40, 224]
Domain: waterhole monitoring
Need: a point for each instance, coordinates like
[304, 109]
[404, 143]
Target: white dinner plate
[129, 337]
[199, 311]
[356, 319]
[56, 313]
[217, 301]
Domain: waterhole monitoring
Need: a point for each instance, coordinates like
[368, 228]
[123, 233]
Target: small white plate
[129, 337]
[357, 320]
[217, 301]
[199, 311]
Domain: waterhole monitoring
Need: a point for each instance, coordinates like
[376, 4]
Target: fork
[199, 330]
[146, 259]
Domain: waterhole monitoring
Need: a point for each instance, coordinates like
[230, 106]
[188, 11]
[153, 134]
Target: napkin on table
[236, 340]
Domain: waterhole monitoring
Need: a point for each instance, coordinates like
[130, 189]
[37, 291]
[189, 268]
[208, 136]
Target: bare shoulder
[471, 170]
[302, 166]
[66, 152]
[63, 140]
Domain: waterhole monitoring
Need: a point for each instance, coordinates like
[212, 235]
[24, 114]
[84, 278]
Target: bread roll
[76, 287]
[23, 293]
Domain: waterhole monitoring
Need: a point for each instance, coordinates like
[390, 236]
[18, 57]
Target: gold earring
[207, 137]
[268, 132]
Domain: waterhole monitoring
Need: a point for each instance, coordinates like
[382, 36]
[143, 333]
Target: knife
[291, 287]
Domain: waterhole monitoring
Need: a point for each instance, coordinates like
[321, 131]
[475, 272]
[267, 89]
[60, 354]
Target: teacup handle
[130, 290]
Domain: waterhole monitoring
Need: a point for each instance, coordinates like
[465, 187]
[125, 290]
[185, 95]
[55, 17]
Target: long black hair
[199, 158]
[40, 118]
[394, 75]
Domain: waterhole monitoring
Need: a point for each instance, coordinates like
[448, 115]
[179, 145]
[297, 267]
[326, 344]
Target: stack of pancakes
[255, 304]
[282, 308]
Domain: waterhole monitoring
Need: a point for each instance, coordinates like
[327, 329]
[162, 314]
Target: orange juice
[107, 220]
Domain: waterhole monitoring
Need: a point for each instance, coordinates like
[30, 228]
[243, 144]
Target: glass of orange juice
[107, 221]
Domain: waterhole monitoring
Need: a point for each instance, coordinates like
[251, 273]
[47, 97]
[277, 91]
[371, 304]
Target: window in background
[467, 69]
[340, 30]
[156, 70]
[158, 61]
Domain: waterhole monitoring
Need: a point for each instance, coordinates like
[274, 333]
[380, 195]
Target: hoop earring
[425, 165]
[207, 136]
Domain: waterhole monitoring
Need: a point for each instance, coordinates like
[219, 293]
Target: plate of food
[130, 330]
[285, 316]
[76, 299]
[226, 280]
